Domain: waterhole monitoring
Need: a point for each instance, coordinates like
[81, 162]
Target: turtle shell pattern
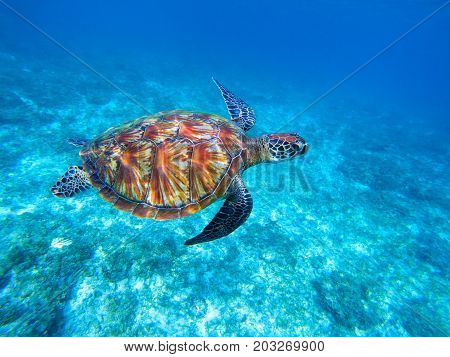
[167, 165]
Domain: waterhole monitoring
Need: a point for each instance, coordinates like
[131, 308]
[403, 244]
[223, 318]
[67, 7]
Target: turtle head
[284, 146]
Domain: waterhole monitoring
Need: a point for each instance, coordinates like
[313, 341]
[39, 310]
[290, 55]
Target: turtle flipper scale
[233, 213]
[72, 182]
[240, 112]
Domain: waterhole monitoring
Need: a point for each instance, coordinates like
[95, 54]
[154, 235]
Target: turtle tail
[78, 142]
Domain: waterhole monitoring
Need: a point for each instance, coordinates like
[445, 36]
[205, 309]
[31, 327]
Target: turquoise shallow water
[352, 240]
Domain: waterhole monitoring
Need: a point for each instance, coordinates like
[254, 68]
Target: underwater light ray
[364, 65]
[75, 56]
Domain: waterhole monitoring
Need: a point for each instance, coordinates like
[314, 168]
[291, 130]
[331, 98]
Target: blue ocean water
[352, 240]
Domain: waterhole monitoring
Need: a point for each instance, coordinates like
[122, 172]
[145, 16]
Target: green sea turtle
[175, 163]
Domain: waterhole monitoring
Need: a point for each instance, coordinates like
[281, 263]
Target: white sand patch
[84, 291]
[100, 253]
[27, 101]
[60, 242]
[107, 222]
[122, 285]
[360, 248]
[180, 231]
[79, 204]
[158, 317]
[27, 209]
[274, 216]
[138, 284]
[330, 265]
[211, 313]
[323, 227]
[92, 221]
[361, 186]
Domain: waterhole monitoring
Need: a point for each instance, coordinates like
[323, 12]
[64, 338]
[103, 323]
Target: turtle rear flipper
[72, 182]
[78, 142]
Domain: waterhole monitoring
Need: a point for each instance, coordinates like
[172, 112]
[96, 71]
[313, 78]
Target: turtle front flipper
[233, 213]
[240, 112]
[72, 182]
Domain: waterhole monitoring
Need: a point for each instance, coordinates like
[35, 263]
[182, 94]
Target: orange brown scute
[209, 164]
[167, 165]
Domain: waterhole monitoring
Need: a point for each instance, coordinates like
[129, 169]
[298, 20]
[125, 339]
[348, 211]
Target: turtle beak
[301, 145]
[305, 149]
